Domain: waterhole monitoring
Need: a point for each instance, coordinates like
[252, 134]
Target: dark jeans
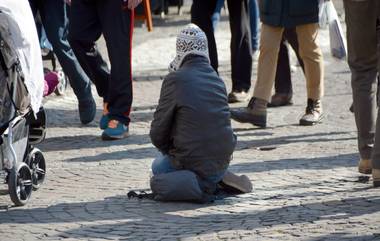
[363, 59]
[241, 52]
[215, 18]
[90, 19]
[254, 19]
[55, 22]
[283, 80]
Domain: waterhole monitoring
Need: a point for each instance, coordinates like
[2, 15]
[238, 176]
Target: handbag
[338, 47]
[323, 18]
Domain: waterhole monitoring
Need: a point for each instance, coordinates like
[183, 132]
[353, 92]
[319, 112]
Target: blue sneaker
[115, 131]
[103, 123]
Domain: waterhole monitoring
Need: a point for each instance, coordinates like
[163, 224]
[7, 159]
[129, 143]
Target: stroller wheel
[20, 184]
[37, 165]
[63, 82]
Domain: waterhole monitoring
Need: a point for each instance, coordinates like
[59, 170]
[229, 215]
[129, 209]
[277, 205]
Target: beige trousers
[309, 51]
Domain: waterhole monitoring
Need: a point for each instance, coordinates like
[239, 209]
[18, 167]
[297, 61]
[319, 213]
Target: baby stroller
[22, 166]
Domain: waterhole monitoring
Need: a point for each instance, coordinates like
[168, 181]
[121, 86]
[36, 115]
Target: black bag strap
[140, 195]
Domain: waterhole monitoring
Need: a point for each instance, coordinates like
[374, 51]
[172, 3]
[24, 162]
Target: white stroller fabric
[24, 37]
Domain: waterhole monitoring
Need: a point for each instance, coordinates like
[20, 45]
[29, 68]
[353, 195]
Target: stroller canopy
[18, 28]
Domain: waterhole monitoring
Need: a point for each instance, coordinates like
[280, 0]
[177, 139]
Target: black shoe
[87, 110]
[280, 99]
[255, 113]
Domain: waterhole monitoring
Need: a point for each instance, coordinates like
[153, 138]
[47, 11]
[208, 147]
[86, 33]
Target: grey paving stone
[305, 189]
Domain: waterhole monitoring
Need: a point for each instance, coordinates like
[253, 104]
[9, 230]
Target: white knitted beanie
[191, 40]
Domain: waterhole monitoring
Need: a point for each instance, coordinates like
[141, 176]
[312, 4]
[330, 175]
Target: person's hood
[191, 40]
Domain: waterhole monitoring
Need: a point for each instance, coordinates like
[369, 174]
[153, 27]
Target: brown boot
[313, 113]
[376, 177]
[365, 166]
[280, 99]
[255, 113]
[241, 183]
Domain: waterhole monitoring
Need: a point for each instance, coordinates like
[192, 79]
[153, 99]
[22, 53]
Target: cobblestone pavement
[306, 185]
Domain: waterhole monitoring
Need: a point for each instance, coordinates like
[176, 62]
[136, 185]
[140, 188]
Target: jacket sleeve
[160, 131]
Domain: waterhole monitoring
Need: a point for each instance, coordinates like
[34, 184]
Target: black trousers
[283, 80]
[241, 52]
[90, 19]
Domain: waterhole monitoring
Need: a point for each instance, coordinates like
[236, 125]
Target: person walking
[241, 51]
[283, 89]
[55, 22]
[253, 20]
[363, 59]
[113, 19]
[276, 15]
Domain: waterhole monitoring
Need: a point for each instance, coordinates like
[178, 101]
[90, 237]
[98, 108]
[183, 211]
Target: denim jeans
[253, 19]
[55, 22]
[162, 164]
[241, 51]
[215, 18]
[44, 41]
[254, 23]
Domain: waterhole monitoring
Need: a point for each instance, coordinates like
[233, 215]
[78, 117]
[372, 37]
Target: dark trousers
[54, 19]
[363, 59]
[90, 19]
[241, 52]
[283, 80]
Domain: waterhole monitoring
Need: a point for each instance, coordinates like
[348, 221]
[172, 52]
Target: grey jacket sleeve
[160, 132]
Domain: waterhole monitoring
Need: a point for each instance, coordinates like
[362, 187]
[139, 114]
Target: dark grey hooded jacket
[192, 120]
[289, 13]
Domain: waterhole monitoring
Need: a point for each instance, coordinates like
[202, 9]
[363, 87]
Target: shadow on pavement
[133, 218]
[288, 139]
[347, 237]
[135, 153]
[318, 163]
[70, 118]
[77, 142]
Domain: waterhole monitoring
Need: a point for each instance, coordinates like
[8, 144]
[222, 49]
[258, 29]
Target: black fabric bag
[181, 185]
[5, 99]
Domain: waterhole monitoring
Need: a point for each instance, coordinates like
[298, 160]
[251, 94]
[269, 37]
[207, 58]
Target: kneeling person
[191, 125]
